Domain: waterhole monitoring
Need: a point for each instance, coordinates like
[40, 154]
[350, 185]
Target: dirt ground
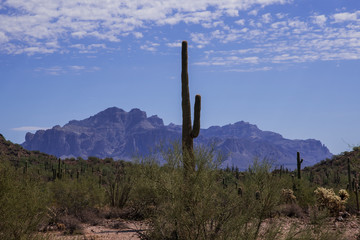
[114, 229]
[107, 230]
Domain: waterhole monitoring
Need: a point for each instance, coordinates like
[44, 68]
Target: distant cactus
[257, 195]
[189, 132]
[100, 180]
[25, 167]
[349, 174]
[59, 170]
[356, 190]
[240, 191]
[299, 162]
[54, 173]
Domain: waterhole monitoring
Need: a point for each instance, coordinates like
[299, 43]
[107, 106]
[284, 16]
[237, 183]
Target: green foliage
[22, 204]
[202, 206]
[118, 187]
[73, 196]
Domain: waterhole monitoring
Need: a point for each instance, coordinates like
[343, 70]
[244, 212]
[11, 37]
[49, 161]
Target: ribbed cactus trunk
[189, 132]
[349, 174]
[299, 162]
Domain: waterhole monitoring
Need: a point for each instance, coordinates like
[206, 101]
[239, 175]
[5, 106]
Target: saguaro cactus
[59, 170]
[188, 132]
[299, 162]
[349, 173]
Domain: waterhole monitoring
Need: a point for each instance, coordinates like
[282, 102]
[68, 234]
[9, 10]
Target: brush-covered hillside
[335, 170]
[12, 151]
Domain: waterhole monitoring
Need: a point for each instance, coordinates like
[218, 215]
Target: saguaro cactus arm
[197, 108]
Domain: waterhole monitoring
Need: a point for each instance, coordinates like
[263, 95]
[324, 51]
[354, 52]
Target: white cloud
[288, 41]
[346, 16]
[61, 70]
[32, 22]
[250, 69]
[29, 128]
[253, 12]
[138, 34]
[240, 22]
[89, 26]
[320, 20]
[200, 38]
[266, 18]
[3, 37]
[175, 44]
[150, 46]
[77, 68]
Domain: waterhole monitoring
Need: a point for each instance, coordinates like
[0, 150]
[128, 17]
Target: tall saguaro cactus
[299, 162]
[189, 132]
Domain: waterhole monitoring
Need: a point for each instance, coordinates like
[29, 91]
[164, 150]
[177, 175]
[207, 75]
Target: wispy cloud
[60, 70]
[244, 33]
[282, 40]
[29, 128]
[174, 44]
[30, 24]
[150, 46]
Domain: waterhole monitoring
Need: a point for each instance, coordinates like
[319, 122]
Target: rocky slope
[119, 134]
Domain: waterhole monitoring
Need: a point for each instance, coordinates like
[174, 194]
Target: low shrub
[23, 204]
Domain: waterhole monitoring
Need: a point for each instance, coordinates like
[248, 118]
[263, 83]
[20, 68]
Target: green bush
[23, 204]
[73, 196]
[205, 206]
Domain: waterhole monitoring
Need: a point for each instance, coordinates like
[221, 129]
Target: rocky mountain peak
[120, 134]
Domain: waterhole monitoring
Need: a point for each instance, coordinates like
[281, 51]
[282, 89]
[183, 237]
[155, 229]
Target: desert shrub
[23, 204]
[256, 209]
[70, 224]
[118, 187]
[291, 210]
[304, 193]
[327, 198]
[201, 206]
[73, 196]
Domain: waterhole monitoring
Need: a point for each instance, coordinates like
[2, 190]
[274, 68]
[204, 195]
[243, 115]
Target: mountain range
[122, 135]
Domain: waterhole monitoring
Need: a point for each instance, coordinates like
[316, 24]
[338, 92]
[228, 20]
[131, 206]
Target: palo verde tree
[189, 132]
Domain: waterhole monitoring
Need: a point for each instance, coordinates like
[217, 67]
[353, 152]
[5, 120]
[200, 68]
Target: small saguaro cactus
[240, 191]
[189, 132]
[349, 173]
[356, 190]
[299, 162]
[26, 167]
[59, 170]
[257, 195]
[54, 173]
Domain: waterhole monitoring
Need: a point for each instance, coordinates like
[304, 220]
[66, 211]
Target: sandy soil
[107, 230]
[131, 230]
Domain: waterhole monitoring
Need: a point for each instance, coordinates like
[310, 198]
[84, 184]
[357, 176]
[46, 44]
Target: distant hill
[11, 151]
[338, 163]
[121, 135]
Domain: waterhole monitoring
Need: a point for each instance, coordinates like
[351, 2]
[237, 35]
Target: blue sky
[288, 66]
